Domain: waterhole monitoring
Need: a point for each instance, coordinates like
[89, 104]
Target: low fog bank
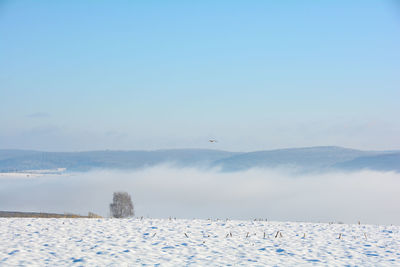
[164, 191]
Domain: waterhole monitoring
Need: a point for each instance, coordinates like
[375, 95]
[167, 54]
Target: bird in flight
[213, 141]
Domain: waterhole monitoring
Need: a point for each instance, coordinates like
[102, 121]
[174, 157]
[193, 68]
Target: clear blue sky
[80, 75]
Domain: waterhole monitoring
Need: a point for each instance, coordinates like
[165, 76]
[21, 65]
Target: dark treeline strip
[17, 214]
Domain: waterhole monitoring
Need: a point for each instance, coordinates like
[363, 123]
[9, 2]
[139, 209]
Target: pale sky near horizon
[255, 75]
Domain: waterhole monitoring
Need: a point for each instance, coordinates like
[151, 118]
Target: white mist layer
[163, 191]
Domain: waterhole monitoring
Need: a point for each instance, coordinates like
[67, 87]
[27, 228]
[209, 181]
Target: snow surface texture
[135, 242]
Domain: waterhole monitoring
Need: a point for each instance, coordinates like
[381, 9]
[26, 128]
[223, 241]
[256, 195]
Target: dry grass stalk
[277, 233]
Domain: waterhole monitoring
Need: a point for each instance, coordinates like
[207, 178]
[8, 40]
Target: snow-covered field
[165, 242]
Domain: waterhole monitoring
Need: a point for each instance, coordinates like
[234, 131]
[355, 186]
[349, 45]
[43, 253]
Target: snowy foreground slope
[135, 242]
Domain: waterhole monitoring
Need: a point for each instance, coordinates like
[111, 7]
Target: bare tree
[122, 206]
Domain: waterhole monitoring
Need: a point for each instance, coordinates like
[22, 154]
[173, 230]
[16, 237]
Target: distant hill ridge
[18, 214]
[304, 159]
